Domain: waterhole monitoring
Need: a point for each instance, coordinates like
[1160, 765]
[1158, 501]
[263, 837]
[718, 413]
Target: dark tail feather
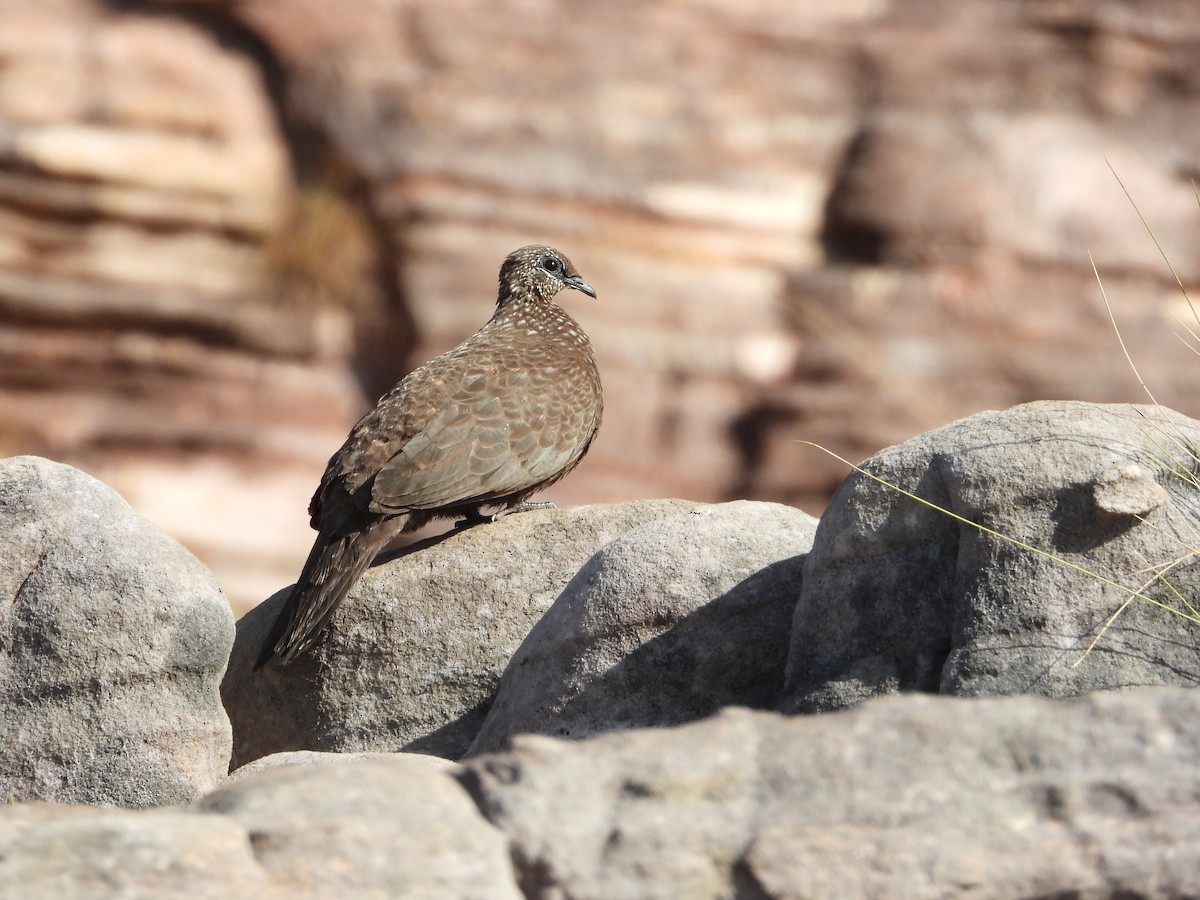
[333, 567]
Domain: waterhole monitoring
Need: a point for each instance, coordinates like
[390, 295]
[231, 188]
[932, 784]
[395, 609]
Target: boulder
[898, 596]
[114, 642]
[913, 796]
[346, 828]
[412, 659]
[85, 853]
[316, 758]
[368, 827]
[664, 625]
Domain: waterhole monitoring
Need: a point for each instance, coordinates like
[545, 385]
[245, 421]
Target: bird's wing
[499, 433]
[342, 503]
[471, 455]
[464, 429]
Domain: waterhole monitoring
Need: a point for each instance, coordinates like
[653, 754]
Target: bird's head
[539, 271]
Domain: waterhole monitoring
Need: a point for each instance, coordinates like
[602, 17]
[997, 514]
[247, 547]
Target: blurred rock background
[227, 225]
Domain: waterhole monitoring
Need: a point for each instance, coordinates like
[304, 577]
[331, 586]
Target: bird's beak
[580, 285]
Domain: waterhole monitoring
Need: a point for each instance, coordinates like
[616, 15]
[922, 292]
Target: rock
[114, 642]
[666, 624]
[1128, 489]
[383, 827]
[84, 853]
[414, 655]
[388, 827]
[911, 796]
[898, 596]
[315, 758]
[914, 795]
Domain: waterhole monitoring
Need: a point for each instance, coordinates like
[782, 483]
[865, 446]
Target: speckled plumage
[506, 413]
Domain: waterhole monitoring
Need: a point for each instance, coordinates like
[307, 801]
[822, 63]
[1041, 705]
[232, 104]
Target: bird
[483, 426]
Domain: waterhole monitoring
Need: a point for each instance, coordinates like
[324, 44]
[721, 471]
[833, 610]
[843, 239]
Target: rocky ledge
[651, 699]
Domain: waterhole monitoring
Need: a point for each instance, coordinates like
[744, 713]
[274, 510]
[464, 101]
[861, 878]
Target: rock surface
[348, 828]
[84, 853]
[901, 597]
[413, 657]
[316, 758]
[920, 796]
[114, 642]
[395, 827]
[666, 624]
[914, 796]
[661, 610]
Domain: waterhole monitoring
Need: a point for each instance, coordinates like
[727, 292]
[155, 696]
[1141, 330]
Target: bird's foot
[519, 508]
[475, 517]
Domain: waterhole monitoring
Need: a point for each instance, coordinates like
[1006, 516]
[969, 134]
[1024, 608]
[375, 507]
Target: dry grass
[324, 256]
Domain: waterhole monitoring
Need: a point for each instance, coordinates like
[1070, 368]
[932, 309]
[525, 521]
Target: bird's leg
[470, 518]
[524, 506]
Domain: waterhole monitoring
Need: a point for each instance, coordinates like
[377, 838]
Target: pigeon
[471, 434]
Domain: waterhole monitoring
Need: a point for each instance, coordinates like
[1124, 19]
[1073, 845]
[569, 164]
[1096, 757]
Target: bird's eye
[552, 265]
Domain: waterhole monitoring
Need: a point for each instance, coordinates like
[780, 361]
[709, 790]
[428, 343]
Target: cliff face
[224, 226]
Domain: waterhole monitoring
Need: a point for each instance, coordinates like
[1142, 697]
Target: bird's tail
[333, 567]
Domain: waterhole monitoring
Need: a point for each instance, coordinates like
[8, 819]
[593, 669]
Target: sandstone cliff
[224, 226]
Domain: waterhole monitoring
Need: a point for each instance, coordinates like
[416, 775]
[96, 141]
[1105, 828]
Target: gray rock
[351, 828]
[898, 596]
[114, 641]
[664, 625]
[85, 853]
[413, 657]
[1128, 489]
[913, 796]
[316, 758]
[377, 827]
